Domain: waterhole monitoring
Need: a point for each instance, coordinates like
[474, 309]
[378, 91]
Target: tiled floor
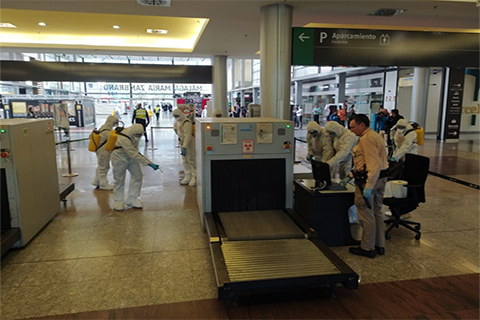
[90, 257]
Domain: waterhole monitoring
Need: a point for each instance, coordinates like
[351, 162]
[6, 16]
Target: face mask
[176, 117]
[314, 133]
[332, 134]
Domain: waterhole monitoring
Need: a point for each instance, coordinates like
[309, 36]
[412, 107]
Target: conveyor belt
[65, 190]
[259, 225]
[9, 238]
[256, 260]
[275, 259]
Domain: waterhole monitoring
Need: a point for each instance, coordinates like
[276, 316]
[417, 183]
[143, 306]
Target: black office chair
[415, 172]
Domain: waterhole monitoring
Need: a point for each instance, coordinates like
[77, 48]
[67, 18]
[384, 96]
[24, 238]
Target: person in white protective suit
[405, 140]
[125, 157]
[184, 129]
[103, 156]
[319, 143]
[217, 113]
[343, 143]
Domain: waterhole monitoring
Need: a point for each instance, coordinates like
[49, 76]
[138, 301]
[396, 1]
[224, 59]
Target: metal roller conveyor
[275, 259]
[261, 262]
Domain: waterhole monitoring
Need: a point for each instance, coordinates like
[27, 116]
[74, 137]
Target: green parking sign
[302, 41]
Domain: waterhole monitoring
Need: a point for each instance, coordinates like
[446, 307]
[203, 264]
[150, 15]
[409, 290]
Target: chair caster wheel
[418, 236]
[417, 227]
[388, 236]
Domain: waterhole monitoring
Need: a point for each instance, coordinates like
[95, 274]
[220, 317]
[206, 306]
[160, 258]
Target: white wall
[433, 103]
[470, 106]
[404, 101]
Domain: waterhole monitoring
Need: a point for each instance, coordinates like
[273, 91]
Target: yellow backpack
[94, 143]
[112, 137]
[193, 126]
[418, 131]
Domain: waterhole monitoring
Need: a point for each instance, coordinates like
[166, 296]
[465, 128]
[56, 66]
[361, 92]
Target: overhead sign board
[363, 47]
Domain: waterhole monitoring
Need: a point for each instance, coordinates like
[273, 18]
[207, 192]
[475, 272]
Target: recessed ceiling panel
[87, 30]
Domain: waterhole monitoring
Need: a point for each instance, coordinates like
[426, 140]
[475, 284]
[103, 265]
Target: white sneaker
[107, 187]
[186, 179]
[137, 204]
[119, 206]
[193, 182]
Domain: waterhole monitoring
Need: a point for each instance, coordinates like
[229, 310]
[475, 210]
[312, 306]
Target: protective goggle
[401, 127]
[313, 132]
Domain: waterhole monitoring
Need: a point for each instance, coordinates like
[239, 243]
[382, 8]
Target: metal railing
[151, 135]
[69, 161]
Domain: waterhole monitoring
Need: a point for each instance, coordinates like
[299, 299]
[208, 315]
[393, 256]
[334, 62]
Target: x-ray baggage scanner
[29, 179]
[245, 200]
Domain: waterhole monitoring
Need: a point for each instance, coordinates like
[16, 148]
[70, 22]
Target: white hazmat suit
[125, 157]
[103, 156]
[319, 143]
[404, 142]
[184, 128]
[343, 143]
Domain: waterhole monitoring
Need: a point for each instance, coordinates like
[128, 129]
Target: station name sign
[363, 47]
[117, 87]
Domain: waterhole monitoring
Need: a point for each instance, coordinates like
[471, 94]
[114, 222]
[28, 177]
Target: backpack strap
[188, 120]
[408, 131]
[102, 144]
[123, 134]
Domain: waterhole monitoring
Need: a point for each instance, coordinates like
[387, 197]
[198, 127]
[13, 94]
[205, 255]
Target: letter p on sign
[323, 35]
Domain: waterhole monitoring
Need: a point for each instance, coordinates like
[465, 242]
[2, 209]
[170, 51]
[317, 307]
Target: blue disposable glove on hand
[310, 157]
[154, 166]
[345, 181]
[184, 152]
[367, 193]
[393, 159]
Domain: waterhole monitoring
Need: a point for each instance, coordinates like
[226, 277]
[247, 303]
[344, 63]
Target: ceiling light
[6, 25]
[160, 3]
[157, 31]
[386, 12]
[116, 27]
[42, 24]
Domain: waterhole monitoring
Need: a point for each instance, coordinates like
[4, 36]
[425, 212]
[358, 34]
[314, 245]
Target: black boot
[360, 252]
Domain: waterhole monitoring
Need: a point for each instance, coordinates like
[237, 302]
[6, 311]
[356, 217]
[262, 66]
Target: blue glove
[344, 182]
[393, 159]
[310, 157]
[154, 166]
[367, 193]
[184, 152]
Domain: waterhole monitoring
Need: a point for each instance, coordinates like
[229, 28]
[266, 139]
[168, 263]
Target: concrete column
[340, 79]
[242, 98]
[255, 96]
[275, 59]
[219, 87]
[421, 82]
[298, 92]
